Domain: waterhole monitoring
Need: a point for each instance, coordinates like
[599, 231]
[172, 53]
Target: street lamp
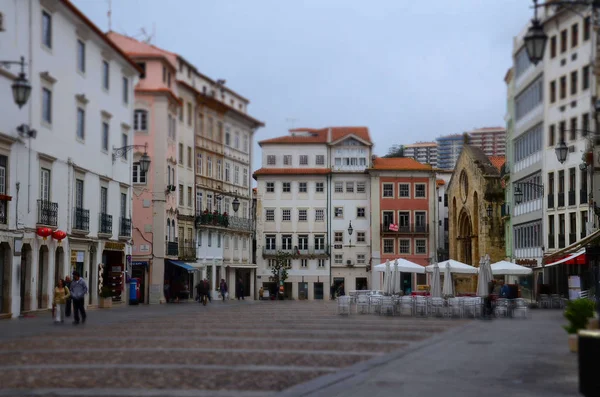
[562, 150]
[489, 211]
[350, 229]
[235, 204]
[535, 39]
[21, 88]
[144, 160]
[518, 195]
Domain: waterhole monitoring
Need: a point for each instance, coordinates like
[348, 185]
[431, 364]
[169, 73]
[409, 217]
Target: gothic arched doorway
[26, 277]
[465, 232]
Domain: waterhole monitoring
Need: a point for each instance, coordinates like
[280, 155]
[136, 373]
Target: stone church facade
[475, 197]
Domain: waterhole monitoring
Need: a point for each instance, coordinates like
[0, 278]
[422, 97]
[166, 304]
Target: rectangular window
[303, 242]
[585, 124]
[125, 90]
[360, 212]
[338, 212]
[551, 182]
[339, 259]
[321, 263]
[286, 187]
[44, 183]
[320, 159]
[403, 221]
[142, 65]
[319, 242]
[551, 135]
[105, 136]
[81, 56]
[103, 200]
[303, 262]
[388, 246]
[80, 124]
[189, 157]
[361, 237]
[181, 153]
[319, 187]
[227, 172]
[420, 190]
[531, 98]
[361, 259]
[270, 215]
[585, 74]
[319, 215]
[189, 196]
[563, 41]
[105, 75]
[563, 87]
[124, 142]
[47, 105]
[388, 190]
[286, 215]
[271, 160]
[198, 202]
[573, 129]
[199, 163]
[286, 242]
[140, 120]
[338, 237]
[180, 194]
[270, 241]
[404, 190]
[553, 91]
[404, 246]
[287, 159]
[360, 187]
[553, 47]
[562, 128]
[574, 78]
[420, 246]
[302, 215]
[302, 187]
[349, 187]
[587, 27]
[46, 29]
[303, 159]
[209, 166]
[270, 187]
[190, 113]
[78, 193]
[3, 175]
[339, 187]
[139, 177]
[574, 35]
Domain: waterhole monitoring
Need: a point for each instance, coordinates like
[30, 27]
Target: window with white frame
[339, 259]
[338, 212]
[181, 153]
[302, 215]
[181, 195]
[286, 215]
[388, 246]
[236, 175]
[303, 159]
[219, 169]
[270, 242]
[319, 242]
[338, 237]
[271, 159]
[304, 263]
[360, 212]
[420, 246]
[226, 241]
[227, 206]
[245, 143]
[47, 29]
[320, 159]
[140, 120]
[227, 172]
[361, 237]
[237, 140]
[81, 56]
[199, 163]
[360, 187]
[139, 177]
[349, 187]
[124, 143]
[105, 75]
[245, 176]
[302, 187]
[361, 259]
[270, 215]
[244, 243]
[200, 239]
[235, 242]
[339, 187]
[47, 105]
[198, 202]
[44, 180]
[420, 190]
[209, 166]
[388, 190]
[321, 263]
[303, 242]
[105, 134]
[404, 246]
[125, 93]
[319, 215]
[287, 159]
[270, 187]
[319, 187]
[404, 190]
[80, 124]
[244, 210]
[286, 187]
[218, 240]
[286, 241]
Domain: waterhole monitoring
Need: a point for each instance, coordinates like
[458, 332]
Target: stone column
[213, 278]
[252, 287]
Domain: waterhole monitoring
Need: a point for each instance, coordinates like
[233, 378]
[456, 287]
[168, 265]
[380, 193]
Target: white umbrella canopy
[404, 266]
[395, 278]
[448, 287]
[455, 267]
[436, 284]
[509, 269]
[484, 277]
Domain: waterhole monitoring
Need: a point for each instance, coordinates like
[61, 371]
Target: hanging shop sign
[112, 246]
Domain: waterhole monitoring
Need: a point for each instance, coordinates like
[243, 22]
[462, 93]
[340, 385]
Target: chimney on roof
[328, 135]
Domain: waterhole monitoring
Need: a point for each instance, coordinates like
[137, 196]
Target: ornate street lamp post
[21, 88]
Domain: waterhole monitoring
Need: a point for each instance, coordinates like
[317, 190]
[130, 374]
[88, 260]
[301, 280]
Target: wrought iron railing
[172, 248]
[571, 197]
[125, 227]
[551, 200]
[583, 196]
[106, 223]
[321, 250]
[81, 220]
[551, 243]
[224, 220]
[561, 241]
[404, 229]
[47, 213]
[561, 199]
[572, 238]
[187, 250]
[244, 224]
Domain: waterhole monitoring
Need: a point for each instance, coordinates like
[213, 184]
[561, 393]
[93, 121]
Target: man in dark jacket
[207, 289]
[239, 289]
[200, 291]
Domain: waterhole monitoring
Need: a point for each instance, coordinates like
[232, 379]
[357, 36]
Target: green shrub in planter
[106, 292]
[578, 312]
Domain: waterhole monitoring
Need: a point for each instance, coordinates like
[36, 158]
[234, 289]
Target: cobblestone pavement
[224, 349]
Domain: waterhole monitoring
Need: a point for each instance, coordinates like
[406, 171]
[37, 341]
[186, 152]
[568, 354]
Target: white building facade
[64, 178]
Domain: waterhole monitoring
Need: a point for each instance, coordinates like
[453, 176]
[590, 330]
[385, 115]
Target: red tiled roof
[400, 164]
[291, 171]
[497, 161]
[319, 135]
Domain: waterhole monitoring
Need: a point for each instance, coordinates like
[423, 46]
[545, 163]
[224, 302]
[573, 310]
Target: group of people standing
[69, 294]
[203, 288]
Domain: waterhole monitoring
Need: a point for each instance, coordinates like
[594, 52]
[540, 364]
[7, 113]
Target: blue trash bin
[133, 292]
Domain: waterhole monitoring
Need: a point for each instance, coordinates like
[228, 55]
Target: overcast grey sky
[408, 70]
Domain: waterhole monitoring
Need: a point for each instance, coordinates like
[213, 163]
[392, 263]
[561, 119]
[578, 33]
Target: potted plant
[578, 313]
[105, 298]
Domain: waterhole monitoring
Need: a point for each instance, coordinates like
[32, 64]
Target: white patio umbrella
[455, 267]
[448, 287]
[397, 281]
[484, 277]
[395, 278]
[436, 284]
[404, 266]
[509, 269]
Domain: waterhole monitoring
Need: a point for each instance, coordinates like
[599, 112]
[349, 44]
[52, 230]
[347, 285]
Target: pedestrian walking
[78, 290]
[69, 302]
[223, 289]
[207, 289]
[239, 289]
[61, 295]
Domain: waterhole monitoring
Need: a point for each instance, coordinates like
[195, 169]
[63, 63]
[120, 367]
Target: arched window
[168, 175]
[168, 229]
[140, 120]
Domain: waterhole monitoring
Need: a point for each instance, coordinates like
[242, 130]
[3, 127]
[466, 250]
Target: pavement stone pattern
[223, 349]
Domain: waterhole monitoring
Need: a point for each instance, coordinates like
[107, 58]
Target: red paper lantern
[44, 232]
[59, 235]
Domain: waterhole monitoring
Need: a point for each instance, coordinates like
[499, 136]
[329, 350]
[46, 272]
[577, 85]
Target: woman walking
[61, 295]
[223, 288]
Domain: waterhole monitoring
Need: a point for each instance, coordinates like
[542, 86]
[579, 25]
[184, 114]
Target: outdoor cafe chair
[344, 303]
[387, 306]
[471, 307]
[520, 308]
[375, 303]
[455, 307]
[557, 301]
[437, 307]
[545, 301]
[501, 309]
[362, 304]
[405, 304]
[420, 306]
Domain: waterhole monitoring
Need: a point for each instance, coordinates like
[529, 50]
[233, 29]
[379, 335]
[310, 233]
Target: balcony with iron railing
[47, 213]
[223, 220]
[561, 199]
[106, 224]
[171, 248]
[321, 251]
[124, 228]
[81, 220]
[583, 196]
[3, 212]
[571, 197]
[572, 238]
[561, 241]
[405, 229]
[187, 250]
[550, 200]
[551, 243]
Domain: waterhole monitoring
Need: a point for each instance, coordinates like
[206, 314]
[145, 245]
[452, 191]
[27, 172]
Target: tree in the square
[279, 267]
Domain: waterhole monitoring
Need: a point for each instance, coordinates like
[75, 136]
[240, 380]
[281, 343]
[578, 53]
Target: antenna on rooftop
[109, 15]
[292, 121]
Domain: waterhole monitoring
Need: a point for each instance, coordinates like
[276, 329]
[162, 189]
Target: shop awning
[242, 265]
[577, 258]
[183, 265]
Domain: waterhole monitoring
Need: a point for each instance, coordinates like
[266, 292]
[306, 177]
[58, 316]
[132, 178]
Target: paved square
[223, 349]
